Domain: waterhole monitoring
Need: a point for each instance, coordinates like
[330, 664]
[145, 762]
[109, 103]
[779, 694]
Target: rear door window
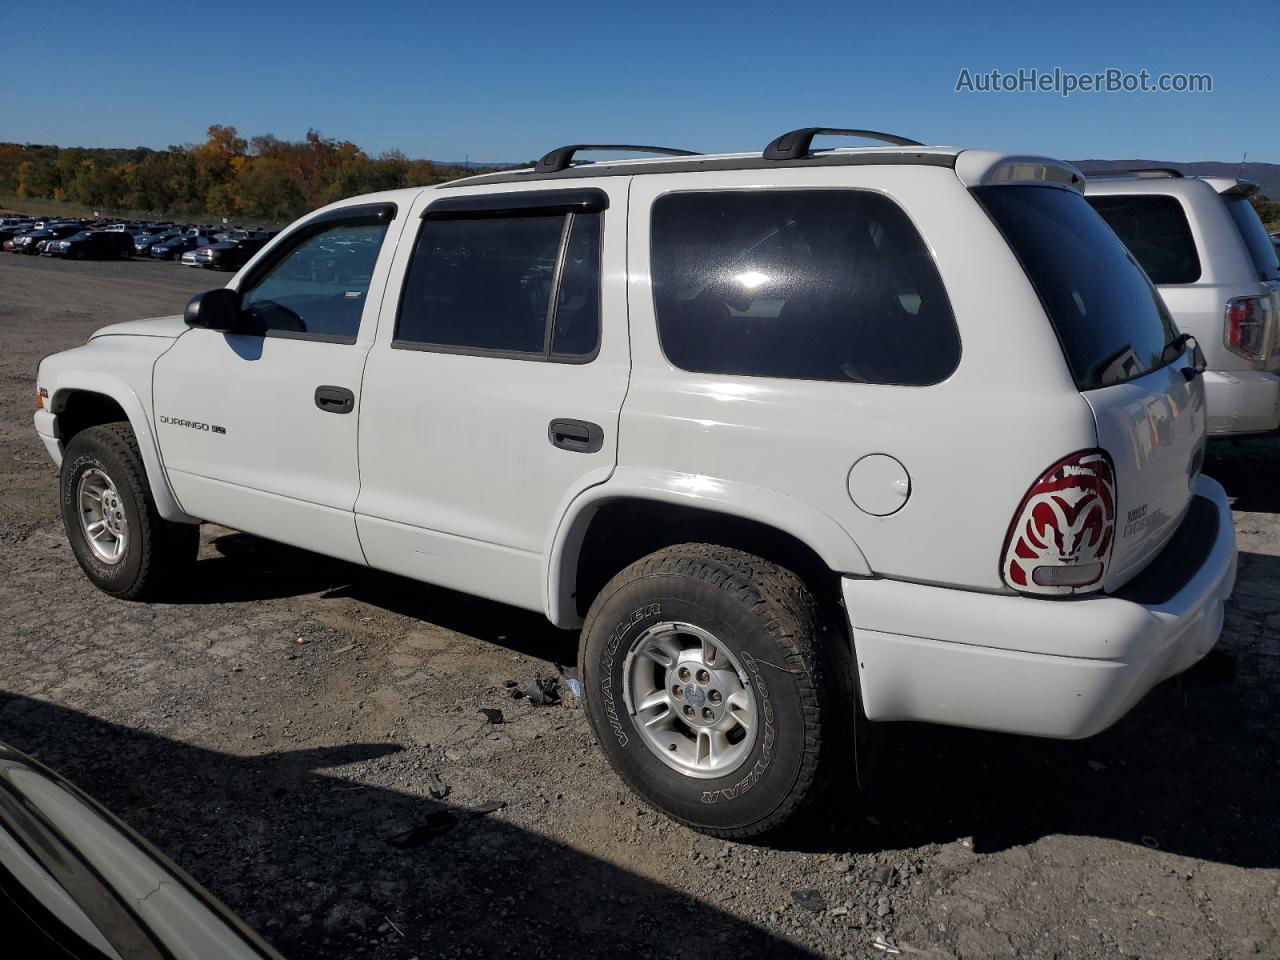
[799, 284]
[1156, 231]
[1111, 322]
[1261, 248]
[525, 286]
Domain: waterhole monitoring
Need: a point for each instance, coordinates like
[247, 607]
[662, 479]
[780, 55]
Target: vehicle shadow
[301, 854]
[1191, 771]
[1249, 471]
[246, 568]
[1188, 771]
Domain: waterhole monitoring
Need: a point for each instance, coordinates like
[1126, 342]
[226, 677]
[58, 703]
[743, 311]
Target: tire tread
[792, 615]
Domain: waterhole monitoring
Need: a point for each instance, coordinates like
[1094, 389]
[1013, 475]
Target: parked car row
[226, 248]
[1218, 271]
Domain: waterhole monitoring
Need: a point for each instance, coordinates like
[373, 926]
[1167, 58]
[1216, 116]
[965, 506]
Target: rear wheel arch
[602, 536]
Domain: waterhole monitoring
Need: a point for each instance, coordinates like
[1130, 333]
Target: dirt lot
[275, 724]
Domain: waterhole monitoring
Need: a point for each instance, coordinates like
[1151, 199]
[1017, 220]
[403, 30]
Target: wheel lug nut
[683, 674]
[714, 696]
[704, 677]
[677, 693]
[707, 714]
[688, 710]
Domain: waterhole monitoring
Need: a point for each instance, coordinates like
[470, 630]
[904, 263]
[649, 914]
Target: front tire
[714, 688]
[122, 543]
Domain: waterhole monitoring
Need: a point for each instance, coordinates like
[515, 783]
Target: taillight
[1061, 536]
[1248, 332]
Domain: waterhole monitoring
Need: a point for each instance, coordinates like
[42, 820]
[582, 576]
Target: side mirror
[215, 310]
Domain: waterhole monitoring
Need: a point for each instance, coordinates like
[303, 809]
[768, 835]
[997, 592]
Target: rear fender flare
[831, 542]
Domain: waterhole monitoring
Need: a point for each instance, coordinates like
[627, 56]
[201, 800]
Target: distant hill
[1266, 175]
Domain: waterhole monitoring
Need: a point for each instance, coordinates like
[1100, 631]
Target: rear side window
[1156, 231]
[1111, 321]
[1261, 249]
[516, 285]
[801, 284]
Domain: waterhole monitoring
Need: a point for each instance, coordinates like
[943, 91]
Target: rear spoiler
[1239, 188]
[983, 168]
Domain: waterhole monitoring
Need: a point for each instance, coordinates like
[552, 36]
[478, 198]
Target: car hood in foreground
[82, 879]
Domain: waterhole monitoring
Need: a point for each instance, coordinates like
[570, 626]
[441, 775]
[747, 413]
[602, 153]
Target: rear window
[1156, 231]
[1111, 321]
[800, 284]
[1261, 248]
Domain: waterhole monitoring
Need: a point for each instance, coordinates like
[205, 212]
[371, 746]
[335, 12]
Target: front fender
[61, 380]
[806, 523]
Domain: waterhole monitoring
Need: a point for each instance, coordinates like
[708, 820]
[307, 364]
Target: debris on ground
[436, 823]
[810, 900]
[436, 787]
[569, 675]
[441, 821]
[539, 690]
[491, 715]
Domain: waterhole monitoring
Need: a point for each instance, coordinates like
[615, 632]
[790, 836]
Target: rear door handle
[335, 399]
[580, 436]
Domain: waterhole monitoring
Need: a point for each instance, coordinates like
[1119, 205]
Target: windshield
[1111, 322]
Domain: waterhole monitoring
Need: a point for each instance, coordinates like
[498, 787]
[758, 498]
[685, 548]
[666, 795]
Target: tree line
[228, 175]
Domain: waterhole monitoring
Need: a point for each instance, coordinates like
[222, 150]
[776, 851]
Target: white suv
[800, 440]
[1202, 244]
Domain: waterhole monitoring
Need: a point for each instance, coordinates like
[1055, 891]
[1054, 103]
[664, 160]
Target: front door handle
[335, 399]
[580, 436]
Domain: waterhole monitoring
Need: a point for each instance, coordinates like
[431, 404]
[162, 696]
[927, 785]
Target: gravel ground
[275, 726]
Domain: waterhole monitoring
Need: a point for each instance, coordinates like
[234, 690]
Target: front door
[492, 393]
[258, 429]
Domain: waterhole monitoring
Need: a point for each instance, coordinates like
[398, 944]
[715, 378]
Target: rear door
[492, 394]
[1122, 348]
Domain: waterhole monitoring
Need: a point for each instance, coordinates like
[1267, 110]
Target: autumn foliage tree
[228, 175]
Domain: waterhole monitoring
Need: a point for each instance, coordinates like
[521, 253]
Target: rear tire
[755, 634]
[122, 543]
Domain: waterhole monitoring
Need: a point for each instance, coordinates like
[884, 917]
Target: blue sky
[507, 81]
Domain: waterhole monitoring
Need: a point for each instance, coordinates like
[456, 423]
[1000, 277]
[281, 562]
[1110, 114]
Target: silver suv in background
[1202, 244]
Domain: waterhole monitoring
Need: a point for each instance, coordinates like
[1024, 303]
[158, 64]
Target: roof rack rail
[1153, 172]
[795, 144]
[562, 157]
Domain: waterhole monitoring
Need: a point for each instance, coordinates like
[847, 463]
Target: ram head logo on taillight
[1062, 534]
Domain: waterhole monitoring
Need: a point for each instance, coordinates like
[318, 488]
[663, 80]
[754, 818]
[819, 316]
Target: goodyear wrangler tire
[122, 543]
[713, 688]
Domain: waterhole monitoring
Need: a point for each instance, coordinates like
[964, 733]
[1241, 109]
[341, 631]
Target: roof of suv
[974, 167]
[1165, 182]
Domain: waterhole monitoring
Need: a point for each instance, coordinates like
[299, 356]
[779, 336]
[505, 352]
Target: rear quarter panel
[971, 444]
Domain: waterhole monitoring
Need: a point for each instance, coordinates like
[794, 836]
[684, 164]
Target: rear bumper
[1242, 401]
[1049, 668]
